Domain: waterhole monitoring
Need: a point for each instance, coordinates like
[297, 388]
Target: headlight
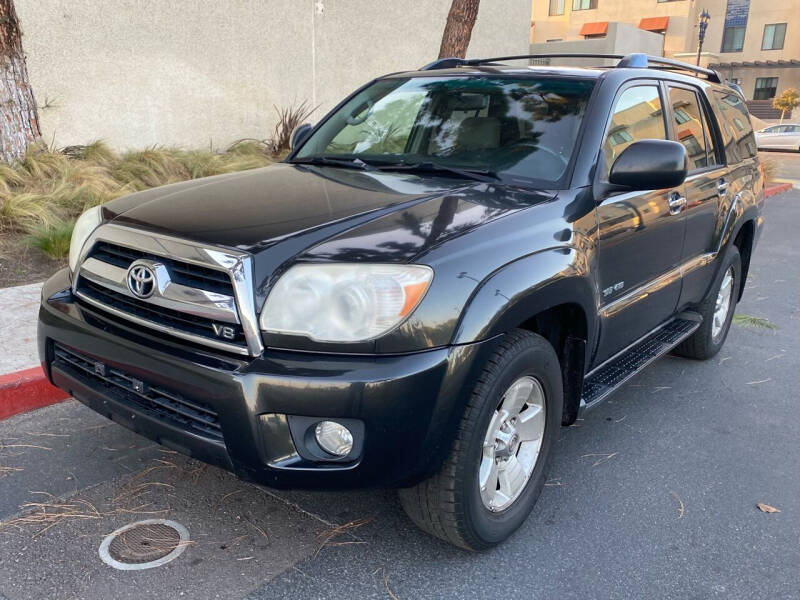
[344, 302]
[84, 227]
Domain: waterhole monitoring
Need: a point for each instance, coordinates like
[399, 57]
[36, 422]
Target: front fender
[523, 288]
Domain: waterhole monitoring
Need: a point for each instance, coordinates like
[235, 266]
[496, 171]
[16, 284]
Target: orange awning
[684, 133]
[654, 24]
[598, 28]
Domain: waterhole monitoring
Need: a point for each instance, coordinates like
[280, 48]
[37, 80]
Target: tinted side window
[690, 129]
[638, 115]
[734, 121]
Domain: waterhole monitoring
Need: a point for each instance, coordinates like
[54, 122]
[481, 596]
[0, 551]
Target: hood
[249, 209]
[305, 213]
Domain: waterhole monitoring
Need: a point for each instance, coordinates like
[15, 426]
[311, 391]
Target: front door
[640, 233]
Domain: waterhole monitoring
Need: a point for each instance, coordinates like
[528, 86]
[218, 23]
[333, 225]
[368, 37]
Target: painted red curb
[26, 390]
[776, 189]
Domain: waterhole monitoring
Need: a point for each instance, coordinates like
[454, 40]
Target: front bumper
[406, 406]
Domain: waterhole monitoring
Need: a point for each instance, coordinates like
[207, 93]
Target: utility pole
[701, 34]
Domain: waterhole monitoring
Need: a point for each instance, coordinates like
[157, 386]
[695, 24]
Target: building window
[694, 148]
[681, 117]
[733, 39]
[584, 4]
[773, 36]
[765, 88]
[556, 7]
[619, 137]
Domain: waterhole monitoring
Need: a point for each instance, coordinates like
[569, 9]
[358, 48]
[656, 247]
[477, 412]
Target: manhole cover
[144, 544]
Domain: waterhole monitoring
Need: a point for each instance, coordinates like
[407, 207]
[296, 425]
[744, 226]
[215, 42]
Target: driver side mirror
[299, 134]
[650, 165]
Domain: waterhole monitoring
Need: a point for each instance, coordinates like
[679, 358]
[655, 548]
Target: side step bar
[611, 375]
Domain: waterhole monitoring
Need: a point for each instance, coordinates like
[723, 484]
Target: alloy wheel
[723, 304]
[512, 444]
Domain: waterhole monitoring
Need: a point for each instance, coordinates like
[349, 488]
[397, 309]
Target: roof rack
[631, 61]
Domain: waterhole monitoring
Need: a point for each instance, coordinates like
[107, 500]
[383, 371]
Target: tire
[705, 343]
[450, 504]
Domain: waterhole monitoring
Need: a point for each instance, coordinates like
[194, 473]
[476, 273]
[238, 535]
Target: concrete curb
[776, 189]
[26, 390]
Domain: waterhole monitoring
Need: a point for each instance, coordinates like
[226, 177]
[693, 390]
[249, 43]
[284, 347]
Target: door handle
[676, 203]
[722, 188]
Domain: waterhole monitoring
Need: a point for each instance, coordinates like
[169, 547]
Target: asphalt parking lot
[652, 495]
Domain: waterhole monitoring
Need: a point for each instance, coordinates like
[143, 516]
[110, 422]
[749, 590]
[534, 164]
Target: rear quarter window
[734, 124]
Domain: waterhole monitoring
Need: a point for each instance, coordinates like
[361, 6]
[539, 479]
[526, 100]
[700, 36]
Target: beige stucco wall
[195, 73]
[680, 40]
[620, 39]
[681, 33]
[568, 25]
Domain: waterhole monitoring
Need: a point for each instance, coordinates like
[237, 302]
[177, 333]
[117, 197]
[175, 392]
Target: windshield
[511, 127]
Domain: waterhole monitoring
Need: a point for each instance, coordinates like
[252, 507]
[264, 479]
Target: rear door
[735, 145]
[640, 234]
[706, 183]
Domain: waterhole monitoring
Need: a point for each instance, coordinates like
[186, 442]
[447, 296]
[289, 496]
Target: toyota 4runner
[451, 265]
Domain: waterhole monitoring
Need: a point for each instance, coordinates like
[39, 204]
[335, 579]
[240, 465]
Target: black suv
[447, 268]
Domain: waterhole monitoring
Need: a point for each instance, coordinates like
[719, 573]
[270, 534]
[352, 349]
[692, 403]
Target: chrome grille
[201, 294]
[189, 414]
[180, 272]
[170, 318]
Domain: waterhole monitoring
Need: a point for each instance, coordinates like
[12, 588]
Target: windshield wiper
[432, 167]
[326, 161]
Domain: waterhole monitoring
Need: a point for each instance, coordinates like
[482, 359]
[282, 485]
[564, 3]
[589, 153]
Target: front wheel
[497, 465]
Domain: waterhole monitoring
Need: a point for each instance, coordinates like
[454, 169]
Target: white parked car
[779, 137]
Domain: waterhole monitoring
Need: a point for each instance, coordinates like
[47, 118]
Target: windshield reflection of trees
[429, 121]
[518, 106]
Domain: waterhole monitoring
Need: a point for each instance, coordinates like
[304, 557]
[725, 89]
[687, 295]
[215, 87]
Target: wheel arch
[743, 240]
[560, 306]
[739, 228]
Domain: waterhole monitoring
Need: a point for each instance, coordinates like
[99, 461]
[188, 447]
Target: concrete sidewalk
[23, 385]
[20, 307]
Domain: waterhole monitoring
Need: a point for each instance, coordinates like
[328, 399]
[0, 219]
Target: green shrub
[52, 239]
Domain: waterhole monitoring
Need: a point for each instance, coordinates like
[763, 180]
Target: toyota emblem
[141, 280]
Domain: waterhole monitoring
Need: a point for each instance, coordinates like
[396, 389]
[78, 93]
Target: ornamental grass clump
[42, 194]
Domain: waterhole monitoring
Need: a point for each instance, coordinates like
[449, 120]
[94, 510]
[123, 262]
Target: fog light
[334, 438]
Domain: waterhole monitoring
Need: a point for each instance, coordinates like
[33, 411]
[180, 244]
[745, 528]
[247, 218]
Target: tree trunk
[19, 119]
[458, 30]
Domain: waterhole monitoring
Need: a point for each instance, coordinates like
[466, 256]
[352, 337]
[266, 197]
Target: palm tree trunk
[458, 30]
[19, 119]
